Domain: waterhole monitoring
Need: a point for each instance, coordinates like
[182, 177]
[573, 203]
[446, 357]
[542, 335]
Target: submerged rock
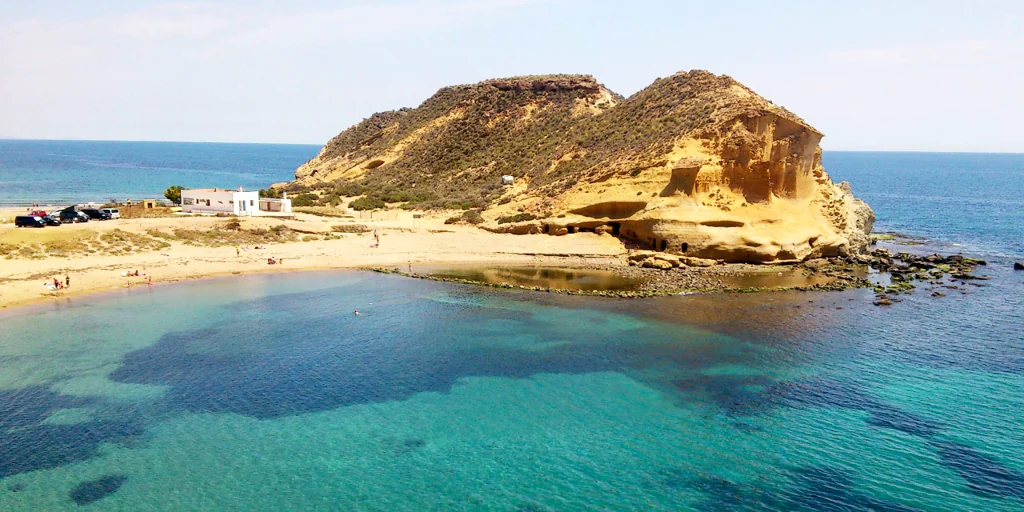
[95, 490]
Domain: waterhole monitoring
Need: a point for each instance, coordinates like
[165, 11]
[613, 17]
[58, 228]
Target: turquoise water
[44, 171]
[268, 393]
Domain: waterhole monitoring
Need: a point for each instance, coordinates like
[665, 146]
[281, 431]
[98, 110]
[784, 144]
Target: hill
[696, 163]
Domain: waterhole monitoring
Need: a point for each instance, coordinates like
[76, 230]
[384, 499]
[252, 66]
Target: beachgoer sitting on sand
[358, 313]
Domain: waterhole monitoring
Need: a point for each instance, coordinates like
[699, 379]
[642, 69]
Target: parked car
[71, 215]
[95, 214]
[38, 213]
[114, 212]
[29, 221]
[50, 220]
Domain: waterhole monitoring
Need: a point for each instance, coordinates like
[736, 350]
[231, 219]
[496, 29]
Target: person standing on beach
[67, 280]
[376, 238]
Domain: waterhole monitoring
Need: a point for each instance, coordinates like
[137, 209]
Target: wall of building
[283, 206]
[220, 201]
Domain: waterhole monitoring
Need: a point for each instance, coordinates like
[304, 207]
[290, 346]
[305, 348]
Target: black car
[50, 221]
[29, 221]
[70, 215]
[93, 213]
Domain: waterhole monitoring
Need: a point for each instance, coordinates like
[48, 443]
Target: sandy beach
[404, 240]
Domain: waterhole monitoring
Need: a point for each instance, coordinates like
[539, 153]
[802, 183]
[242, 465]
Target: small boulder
[690, 261]
[667, 258]
[1018, 266]
[656, 263]
[639, 256]
[816, 264]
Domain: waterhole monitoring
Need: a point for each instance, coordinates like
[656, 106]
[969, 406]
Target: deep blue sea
[267, 393]
[972, 202]
[57, 172]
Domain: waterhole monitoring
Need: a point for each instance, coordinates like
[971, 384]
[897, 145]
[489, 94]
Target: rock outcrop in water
[695, 164]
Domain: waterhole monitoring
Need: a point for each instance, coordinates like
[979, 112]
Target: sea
[57, 172]
[268, 393]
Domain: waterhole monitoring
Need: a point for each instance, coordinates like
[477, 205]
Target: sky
[888, 75]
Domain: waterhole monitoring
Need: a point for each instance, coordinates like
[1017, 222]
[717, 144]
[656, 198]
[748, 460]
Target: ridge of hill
[695, 163]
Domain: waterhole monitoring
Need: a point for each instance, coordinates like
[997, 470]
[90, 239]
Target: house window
[250, 202]
[231, 202]
[188, 200]
[207, 202]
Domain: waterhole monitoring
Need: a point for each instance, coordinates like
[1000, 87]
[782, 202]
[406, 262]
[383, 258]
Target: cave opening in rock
[664, 245]
[373, 164]
[615, 228]
[684, 247]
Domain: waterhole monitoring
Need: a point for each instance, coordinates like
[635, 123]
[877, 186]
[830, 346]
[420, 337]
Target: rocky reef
[696, 165]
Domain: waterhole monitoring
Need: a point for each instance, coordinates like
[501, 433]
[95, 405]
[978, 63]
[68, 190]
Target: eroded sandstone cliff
[695, 164]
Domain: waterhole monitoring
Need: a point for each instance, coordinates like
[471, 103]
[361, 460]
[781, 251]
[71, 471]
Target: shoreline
[579, 262]
[79, 291]
[175, 249]
[97, 255]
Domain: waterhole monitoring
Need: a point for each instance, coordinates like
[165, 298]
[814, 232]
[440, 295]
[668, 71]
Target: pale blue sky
[886, 75]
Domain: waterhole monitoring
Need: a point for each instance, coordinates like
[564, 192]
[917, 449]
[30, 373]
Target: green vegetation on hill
[555, 130]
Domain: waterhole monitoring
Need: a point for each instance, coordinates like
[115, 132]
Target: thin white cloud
[221, 27]
[962, 51]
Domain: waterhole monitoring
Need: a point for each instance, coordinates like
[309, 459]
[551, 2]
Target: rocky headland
[696, 165]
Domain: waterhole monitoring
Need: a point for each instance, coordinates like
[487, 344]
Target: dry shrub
[350, 228]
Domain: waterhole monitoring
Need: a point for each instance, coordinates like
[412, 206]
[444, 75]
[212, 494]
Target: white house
[218, 200]
[235, 202]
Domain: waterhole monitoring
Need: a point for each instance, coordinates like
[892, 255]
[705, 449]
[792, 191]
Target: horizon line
[22, 139]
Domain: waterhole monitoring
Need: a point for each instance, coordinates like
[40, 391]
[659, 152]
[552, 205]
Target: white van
[114, 212]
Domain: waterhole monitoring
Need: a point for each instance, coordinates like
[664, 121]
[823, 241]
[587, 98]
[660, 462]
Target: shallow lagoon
[267, 393]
